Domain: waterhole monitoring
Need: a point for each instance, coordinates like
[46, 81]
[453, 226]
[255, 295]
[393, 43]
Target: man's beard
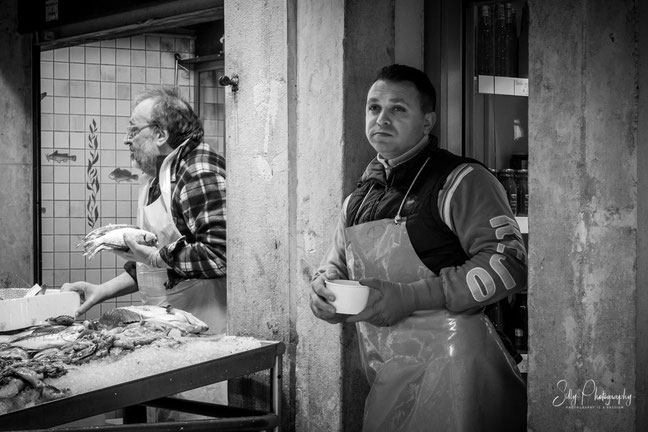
[146, 163]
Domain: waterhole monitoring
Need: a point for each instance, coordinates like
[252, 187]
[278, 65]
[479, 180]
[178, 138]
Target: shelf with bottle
[501, 48]
[499, 85]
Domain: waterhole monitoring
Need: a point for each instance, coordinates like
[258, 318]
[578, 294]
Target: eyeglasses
[133, 130]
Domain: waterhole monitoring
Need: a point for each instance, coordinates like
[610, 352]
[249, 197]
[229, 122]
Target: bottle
[522, 181]
[511, 41]
[506, 178]
[520, 322]
[519, 160]
[485, 41]
[520, 142]
[523, 43]
[500, 34]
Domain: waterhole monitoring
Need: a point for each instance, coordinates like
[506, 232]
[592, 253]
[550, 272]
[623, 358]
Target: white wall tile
[107, 107]
[123, 43]
[152, 75]
[123, 92]
[61, 70]
[138, 42]
[107, 56]
[78, 174]
[93, 106]
[78, 139]
[77, 71]
[92, 89]
[138, 75]
[122, 108]
[77, 121]
[77, 88]
[77, 54]
[61, 88]
[47, 105]
[153, 43]
[167, 60]
[47, 243]
[62, 105]
[77, 106]
[123, 74]
[92, 55]
[152, 59]
[108, 90]
[62, 55]
[138, 58]
[61, 122]
[108, 73]
[47, 121]
[92, 72]
[107, 124]
[122, 57]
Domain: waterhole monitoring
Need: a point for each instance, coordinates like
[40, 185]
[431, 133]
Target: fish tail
[91, 249]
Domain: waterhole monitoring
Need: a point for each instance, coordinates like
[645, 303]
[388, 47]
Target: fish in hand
[111, 237]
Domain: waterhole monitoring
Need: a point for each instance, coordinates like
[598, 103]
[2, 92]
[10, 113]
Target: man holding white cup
[432, 236]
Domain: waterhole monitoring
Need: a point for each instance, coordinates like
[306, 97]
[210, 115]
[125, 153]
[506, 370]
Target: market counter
[140, 381]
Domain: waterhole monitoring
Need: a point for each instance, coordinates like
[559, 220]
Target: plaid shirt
[198, 211]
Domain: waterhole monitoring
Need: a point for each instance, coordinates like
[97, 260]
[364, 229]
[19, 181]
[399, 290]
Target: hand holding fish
[141, 253]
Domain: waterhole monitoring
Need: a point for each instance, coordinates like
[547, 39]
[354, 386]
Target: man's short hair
[401, 73]
[173, 113]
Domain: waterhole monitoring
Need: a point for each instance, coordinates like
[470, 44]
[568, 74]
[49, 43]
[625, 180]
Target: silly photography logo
[589, 396]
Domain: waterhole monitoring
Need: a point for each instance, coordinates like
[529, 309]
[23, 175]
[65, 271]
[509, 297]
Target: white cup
[350, 296]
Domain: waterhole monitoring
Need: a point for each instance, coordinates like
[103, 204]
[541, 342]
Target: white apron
[204, 298]
[435, 370]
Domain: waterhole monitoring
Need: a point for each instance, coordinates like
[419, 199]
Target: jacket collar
[379, 168]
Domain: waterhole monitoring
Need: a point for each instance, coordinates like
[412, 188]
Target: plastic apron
[435, 370]
[204, 298]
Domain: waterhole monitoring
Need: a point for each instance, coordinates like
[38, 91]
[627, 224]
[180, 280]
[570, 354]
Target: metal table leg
[275, 384]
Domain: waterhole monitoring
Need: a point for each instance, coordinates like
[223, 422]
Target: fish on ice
[163, 317]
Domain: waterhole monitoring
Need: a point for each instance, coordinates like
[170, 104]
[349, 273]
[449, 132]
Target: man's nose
[383, 118]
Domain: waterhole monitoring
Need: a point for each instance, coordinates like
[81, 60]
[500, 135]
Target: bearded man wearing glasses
[182, 201]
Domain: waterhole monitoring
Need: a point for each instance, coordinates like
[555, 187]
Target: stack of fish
[29, 357]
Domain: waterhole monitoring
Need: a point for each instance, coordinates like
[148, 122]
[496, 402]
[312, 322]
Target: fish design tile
[121, 174]
[60, 157]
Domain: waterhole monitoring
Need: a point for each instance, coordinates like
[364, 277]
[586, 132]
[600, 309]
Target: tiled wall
[87, 178]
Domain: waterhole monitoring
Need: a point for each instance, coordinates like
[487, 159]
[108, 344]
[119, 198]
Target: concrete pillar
[260, 178]
[295, 147]
[16, 209]
[341, 45]
[583, 214]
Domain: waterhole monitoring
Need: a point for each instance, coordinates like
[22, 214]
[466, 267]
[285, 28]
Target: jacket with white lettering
[458, 220]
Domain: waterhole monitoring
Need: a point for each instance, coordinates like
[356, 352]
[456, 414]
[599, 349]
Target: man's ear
[162, 137]
[430, 120]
